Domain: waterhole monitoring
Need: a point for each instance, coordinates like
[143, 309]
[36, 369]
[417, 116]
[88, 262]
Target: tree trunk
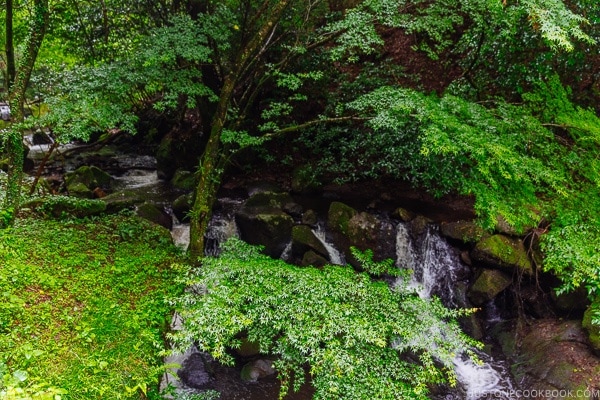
[210, 169]
[210, 174]
[13, 139]
[9, 46]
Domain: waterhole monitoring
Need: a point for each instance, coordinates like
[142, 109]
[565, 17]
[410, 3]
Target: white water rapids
[435, 270]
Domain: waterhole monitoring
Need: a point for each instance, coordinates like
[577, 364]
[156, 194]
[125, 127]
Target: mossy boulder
[85, 179]
[182, 206]
[362, 230]
[262, 221]
[184, 180]
[553, 355]
[488, 284]
[592, 330]
[339, 215]
[502, 252]
[153, 214]
[464, 231]
[65, 206]
[304, 239]
[123, 200]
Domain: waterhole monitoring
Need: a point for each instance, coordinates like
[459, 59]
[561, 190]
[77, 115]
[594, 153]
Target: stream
[438, 271]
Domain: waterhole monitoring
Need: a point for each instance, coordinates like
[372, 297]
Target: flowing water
[436, 270]
[335, 256]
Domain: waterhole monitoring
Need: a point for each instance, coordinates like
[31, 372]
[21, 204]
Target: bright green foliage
[361, 338]
[94, 99]
[82, 307]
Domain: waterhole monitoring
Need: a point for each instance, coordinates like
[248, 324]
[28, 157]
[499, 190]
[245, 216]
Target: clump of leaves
[361, 338]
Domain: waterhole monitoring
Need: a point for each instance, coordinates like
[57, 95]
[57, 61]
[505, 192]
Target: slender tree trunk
[210, 174]
[14, 140]
[9, 46]
[210, 170]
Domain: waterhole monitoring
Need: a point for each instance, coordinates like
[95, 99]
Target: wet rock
[261, 220]
[419, 224]
[310, 218]
[183, 180]
[553, 355]
[499, 251]
[84, 180]
[154, 214]
[403, 214]
[310, 258]
[338, 217]
[256, 370]
[361, 230]
[488, 284]
[182, 206]
[194, 372]
[304, 239]
[465, 231]
[592, 330]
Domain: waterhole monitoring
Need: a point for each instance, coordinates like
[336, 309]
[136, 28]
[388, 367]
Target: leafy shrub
[361, 338]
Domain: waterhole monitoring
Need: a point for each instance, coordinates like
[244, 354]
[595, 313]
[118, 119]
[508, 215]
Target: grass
[82, 310]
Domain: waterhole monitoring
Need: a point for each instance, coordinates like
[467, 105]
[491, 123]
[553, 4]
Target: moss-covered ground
[82, 308]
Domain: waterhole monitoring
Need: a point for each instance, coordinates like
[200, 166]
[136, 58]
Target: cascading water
[335, 256]
[436, 268]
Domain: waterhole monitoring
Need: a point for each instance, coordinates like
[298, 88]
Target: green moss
[592, 330]
[81, 307]
[339, 216]
[500, 251]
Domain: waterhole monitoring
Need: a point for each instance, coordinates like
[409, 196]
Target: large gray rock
[361, 230]
[263, 221]
[465, 231]
[502, 252]
[552, 355]
[488, 284]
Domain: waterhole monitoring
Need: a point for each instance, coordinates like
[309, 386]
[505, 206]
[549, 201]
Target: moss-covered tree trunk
[13, 139]
[9, 47]
[211, 168]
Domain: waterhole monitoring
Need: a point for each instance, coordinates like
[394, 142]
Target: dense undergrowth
[82, 310]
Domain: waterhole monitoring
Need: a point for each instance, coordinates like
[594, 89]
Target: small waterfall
[335, 256]
[220, 228]
[436, 268]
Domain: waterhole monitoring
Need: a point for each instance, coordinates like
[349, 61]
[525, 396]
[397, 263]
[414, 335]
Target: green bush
[361, 338]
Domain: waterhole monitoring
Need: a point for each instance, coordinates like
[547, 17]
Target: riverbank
[82, 310]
